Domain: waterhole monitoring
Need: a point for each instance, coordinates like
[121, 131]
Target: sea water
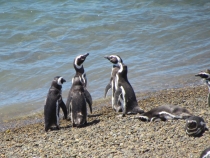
[163, 43]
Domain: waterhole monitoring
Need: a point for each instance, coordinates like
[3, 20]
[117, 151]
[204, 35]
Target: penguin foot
[118, 108]
[57, 127]
[86, 123]
[74, 125]
[65, 118]
[68, 119]
[46, 129]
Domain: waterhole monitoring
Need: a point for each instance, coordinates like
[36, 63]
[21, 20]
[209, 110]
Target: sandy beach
[107, 135]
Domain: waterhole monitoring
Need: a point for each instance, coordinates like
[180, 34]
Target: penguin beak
[86, 55]
[63, 80]
[83, 57]
[107, 57]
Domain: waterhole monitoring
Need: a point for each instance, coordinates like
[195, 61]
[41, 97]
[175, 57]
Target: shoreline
[107, 135]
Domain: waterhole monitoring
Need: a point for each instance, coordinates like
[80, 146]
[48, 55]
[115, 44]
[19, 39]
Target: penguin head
[191, 124]
[79, 60]
[204, 74]
[59, 80]
[115, 59]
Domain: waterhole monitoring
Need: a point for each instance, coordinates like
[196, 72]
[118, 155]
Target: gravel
[108, 135]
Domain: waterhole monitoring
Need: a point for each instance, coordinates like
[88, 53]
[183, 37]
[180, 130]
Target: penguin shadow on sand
[91, 123]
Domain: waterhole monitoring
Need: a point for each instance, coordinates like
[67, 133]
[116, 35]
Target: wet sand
[107, 135]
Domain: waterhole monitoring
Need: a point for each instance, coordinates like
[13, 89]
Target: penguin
[77, 106]
[53, 103]
[80, 72]
[195, 126]
[165, 112]
[205, 153]
[111, 85]
[206, 75]
[124, 92]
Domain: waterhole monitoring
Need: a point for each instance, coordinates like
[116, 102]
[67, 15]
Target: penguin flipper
[63, 107]
[117, 96]
[108, 87]
[88, 99]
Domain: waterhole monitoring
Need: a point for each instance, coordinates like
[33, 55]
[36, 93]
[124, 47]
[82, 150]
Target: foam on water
[164, 44]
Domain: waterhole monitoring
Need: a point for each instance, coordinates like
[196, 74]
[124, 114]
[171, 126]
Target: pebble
[114, 137]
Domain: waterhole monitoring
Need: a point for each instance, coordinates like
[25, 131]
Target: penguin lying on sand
[124, 92]
[80, 73]
[165, 112]
[77, 105]
[206, 75]
[205, 153]
[195, 126]
[53, 103]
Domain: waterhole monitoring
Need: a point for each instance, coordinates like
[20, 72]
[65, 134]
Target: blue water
[164, 44]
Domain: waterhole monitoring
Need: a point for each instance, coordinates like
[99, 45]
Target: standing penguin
[80, 73]
[195, 126]
[206, 75]
[53, 103]
[77, 105]
[165, 112]
[124, 91]
[111, 85]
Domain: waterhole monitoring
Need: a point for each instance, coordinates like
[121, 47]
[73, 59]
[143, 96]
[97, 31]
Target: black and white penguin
[205, 153]
[124, 92]
[77, 106]
[53, 103]
[195, 126]
[80, 72]
[206, 75]
[165, 112]
[111, 85]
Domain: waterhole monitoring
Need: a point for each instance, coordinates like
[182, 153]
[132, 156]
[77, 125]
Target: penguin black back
[53, 103]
